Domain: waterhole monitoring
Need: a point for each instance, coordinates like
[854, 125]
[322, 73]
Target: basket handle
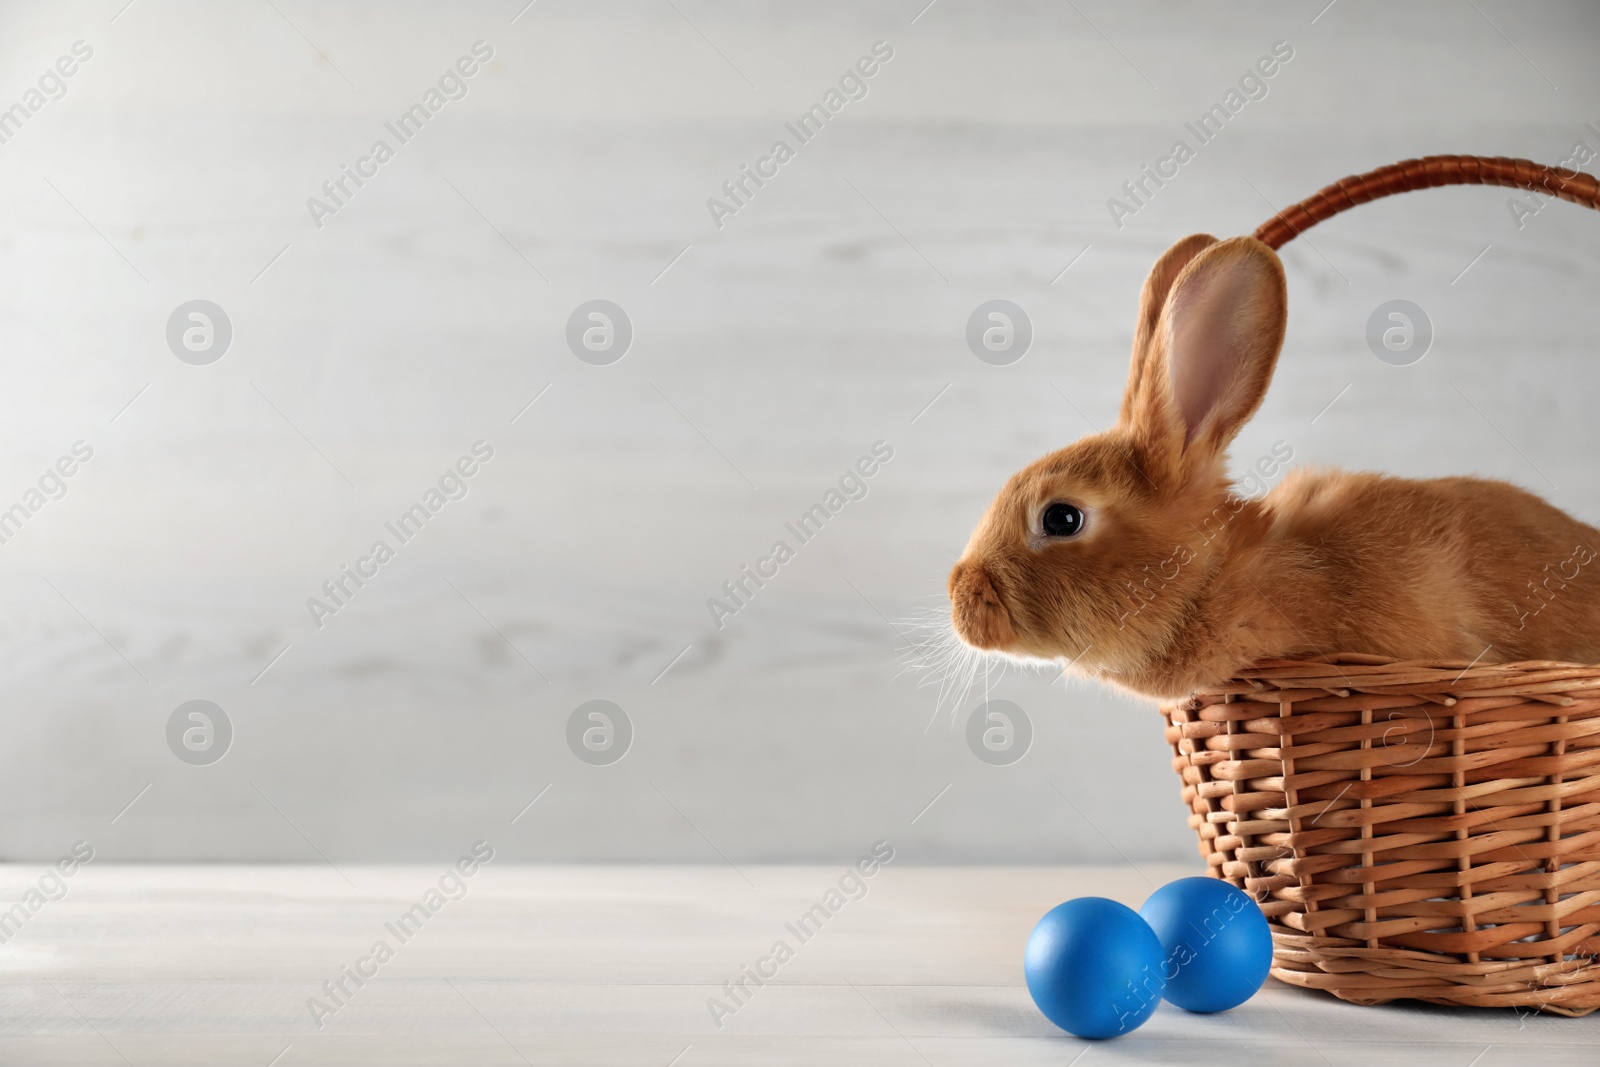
[1424, 173]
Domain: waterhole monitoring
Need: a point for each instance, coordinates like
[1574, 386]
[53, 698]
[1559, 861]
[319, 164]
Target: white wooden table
[615, 965]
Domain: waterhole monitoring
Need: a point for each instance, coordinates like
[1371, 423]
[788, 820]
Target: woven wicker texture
[1424, 173]
[1411, 830]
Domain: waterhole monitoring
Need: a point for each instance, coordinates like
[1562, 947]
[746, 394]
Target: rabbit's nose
[977, 609]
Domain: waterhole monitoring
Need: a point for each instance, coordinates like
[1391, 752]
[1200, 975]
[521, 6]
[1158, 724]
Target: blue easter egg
[1215, 943]
[1094, 967]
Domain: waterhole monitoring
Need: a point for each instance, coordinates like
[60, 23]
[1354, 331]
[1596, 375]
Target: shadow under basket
[1424, 830]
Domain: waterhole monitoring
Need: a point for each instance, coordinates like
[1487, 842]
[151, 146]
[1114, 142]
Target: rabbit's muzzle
[976, 608]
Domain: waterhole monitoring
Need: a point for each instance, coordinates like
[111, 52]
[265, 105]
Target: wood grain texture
[614, 965]
[807, 327]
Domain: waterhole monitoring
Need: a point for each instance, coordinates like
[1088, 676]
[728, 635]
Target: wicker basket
[1412, 830]
[1423, 830]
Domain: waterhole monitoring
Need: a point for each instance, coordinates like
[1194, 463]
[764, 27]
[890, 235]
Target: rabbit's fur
[1174, 583]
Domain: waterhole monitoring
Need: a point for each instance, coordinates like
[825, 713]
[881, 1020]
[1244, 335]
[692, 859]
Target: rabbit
[1128, 555]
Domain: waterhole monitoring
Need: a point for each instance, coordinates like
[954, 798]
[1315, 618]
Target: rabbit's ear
[1214, 347]
[1145, 401]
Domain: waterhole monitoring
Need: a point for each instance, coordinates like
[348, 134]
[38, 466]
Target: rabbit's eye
[1062, 520]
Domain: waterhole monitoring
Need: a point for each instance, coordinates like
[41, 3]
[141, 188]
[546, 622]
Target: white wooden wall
[768, 355]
